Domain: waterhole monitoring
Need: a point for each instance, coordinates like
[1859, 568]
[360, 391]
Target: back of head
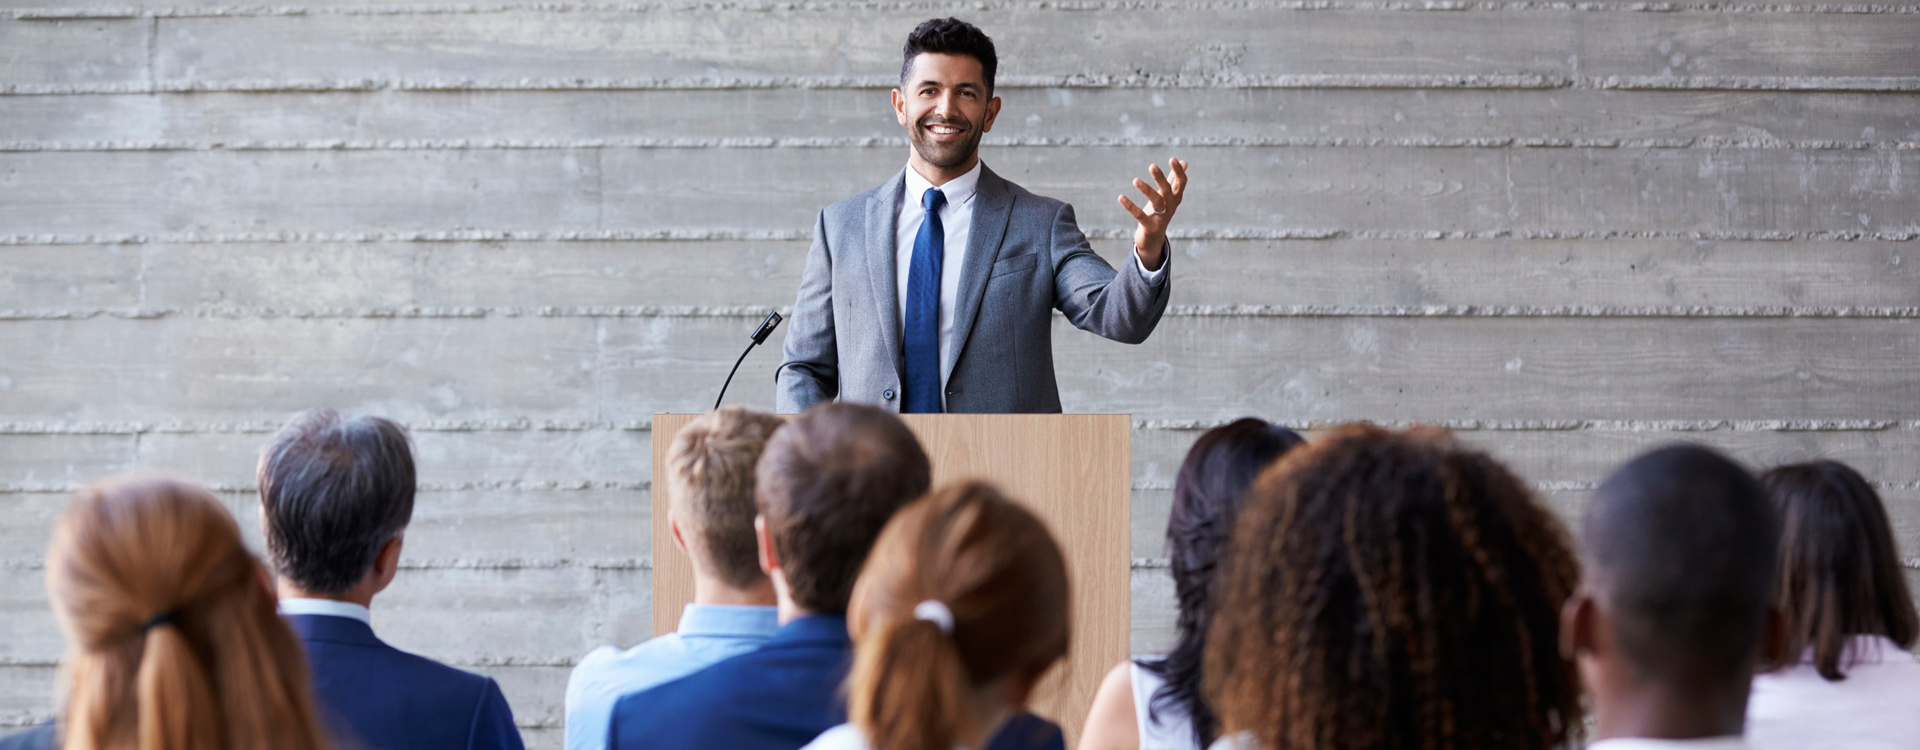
[967, 552]
[173, 641]
[333, 491]
[1206, 499]
[950, 36]
[1680, 547]
[1389, 590]
[827, 483]
[709, 477]
[1840, 573]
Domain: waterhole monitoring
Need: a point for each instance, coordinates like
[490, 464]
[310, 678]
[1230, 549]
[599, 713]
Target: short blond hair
[710, 469]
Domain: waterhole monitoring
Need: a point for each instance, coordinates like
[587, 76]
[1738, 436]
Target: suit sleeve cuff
[1155, 276]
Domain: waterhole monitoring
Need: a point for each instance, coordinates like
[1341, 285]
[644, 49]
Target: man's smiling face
[946, 107]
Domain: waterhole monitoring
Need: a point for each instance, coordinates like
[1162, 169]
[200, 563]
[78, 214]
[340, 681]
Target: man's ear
[1773, 640]
[769, 557]
[1579, 623]
[900, 107]
[993, 111]
[386, 565]
[673, 526]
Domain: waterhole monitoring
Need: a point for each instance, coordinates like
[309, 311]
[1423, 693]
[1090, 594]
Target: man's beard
[950, 154]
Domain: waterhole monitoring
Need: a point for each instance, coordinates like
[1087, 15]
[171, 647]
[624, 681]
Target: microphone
[759, 337]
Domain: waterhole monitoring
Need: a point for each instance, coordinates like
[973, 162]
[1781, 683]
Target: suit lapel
[883, 266]
[993, 205]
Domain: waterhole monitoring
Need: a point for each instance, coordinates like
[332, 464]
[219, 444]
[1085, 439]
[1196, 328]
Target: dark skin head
[1631, 703]
[946, 107]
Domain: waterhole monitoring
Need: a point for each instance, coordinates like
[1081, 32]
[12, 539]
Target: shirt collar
[728, 620]
[958, 190]
[329, 607]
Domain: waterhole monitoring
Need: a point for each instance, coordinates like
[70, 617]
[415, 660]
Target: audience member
[335, 499]
[709, 480]
[1679, 547]
[172, 643]
[1157, 704]
[825, 486]
[959, 612]
[1392, 590]
[1844, 678]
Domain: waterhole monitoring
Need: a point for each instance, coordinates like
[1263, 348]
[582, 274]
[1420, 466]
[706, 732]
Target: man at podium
[934, 291]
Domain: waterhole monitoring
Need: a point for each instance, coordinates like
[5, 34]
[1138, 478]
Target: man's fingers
[1153, 196]
[1160, 178]
[1179, 176]
[1138, 215]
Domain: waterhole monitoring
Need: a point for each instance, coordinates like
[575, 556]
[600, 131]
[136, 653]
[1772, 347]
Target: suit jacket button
[887, 394]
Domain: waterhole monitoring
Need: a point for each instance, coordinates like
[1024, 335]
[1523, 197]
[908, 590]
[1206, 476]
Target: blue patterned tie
[922, 342]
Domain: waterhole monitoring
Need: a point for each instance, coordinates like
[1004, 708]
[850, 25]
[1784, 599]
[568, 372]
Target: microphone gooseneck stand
[759, 337]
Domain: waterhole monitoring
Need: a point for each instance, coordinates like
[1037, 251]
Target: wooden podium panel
[1072, 470]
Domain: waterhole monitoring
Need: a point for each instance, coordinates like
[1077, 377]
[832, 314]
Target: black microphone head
[766, 327]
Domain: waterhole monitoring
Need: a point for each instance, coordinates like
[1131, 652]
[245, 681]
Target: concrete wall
[1571, 231]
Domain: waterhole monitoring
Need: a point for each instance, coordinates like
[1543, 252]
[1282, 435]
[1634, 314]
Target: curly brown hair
[1394, 590]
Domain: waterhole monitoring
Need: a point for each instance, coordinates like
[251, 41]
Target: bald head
[1679, 547]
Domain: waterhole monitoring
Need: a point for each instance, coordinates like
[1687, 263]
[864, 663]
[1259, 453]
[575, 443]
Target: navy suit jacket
[777, 697]
[377, 697]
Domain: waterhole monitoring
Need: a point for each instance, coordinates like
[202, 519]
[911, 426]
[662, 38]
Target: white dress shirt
[298, 606]
[1877, 706]
[956, 224]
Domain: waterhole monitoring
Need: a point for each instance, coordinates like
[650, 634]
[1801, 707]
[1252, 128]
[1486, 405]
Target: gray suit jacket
[1025, 257]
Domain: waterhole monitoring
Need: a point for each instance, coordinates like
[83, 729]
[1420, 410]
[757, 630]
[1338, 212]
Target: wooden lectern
[1072, 470]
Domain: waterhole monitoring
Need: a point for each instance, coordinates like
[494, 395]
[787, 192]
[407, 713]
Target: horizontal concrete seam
[498, 485]
[827, 6]
[519, 424]
[1176, 311]
[1526, 81]
[527, 424]
[1902, 234]
[513, 144]
[1570, 425]
[630, 563]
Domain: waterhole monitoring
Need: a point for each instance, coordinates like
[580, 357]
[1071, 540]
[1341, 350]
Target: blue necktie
[922, 337]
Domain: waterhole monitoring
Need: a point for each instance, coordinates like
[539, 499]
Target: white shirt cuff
[1154, 276]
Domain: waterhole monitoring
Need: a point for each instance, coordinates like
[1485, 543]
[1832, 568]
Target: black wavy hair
[950, 36]
[1206, 499]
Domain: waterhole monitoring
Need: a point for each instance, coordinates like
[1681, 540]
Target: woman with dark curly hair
[1155, 704]
[1389, 590]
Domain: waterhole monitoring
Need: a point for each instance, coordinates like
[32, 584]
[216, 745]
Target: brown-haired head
[173, 639]
[1393, 590]
[826, 484]
[710, 480]
[998, 571]
[1840, 573]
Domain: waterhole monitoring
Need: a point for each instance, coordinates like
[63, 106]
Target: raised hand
[1163, 198]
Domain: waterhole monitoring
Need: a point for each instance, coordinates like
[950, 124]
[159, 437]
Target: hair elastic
[164, 618]
[936, 612]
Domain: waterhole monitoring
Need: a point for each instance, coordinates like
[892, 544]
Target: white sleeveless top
[1168, 729]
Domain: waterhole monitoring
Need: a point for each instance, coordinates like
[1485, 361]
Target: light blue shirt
[708, 633]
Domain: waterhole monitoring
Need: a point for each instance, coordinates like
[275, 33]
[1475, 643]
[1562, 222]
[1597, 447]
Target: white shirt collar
[958, 190]
[1648, 743]
[299, 606]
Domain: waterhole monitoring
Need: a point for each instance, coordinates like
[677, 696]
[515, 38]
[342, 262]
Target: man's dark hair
[1680, 547]
[827, 483]
[950, 36]
[1840, 573]
[333, 491]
